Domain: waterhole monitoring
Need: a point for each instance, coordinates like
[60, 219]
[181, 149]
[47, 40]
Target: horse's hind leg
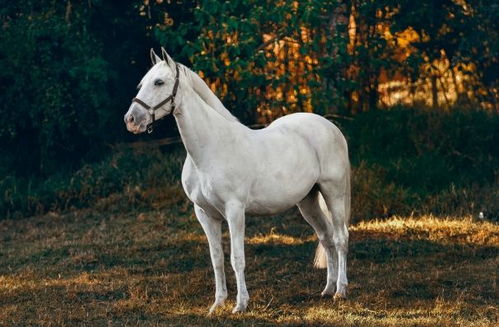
[311, 210]
[337, 196]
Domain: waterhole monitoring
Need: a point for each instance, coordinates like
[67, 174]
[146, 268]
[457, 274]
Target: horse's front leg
[213, 230]
[234, 213]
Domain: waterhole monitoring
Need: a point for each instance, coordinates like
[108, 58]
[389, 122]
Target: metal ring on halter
[149, 127]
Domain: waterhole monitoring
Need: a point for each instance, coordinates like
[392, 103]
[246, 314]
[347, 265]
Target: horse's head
[157, 94]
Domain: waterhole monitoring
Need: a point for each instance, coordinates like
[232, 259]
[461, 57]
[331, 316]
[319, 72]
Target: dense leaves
[69, 68]
[47, 65]
[67, 71]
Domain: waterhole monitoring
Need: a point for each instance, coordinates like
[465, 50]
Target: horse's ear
[167, 58]
[154, 57]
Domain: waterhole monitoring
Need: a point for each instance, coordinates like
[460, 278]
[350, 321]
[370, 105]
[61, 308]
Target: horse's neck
[200, 87]
[203, 130]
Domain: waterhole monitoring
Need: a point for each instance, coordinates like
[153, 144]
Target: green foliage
[68, 70]
[404, 161]
[54, 86]
[225, 40]
[444, 146]
[420, 160]
[232, 43]
[465, 31]
[124, 173]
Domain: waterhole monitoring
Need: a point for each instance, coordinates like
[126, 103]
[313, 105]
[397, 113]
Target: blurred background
[412, 84]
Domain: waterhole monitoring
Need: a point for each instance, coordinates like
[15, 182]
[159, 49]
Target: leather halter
[152, 110]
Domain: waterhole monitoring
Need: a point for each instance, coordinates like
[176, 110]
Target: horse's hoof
[215, 306]
[239, 308]
[212, 309]
[327, 292]
[339, 296]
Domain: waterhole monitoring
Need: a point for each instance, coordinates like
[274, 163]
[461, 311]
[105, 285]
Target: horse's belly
[271, 197]
[261, 208]
[278, 201]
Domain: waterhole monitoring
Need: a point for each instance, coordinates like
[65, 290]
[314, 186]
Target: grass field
[111, 266]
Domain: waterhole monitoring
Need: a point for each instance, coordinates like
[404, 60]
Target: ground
[115, 266]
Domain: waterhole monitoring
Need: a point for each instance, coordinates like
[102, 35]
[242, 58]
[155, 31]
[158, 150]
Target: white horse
[230, 170]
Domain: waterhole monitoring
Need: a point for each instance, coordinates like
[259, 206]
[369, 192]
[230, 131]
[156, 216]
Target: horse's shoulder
[190, 178]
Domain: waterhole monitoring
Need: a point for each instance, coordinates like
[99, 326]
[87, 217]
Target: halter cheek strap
[152, 110]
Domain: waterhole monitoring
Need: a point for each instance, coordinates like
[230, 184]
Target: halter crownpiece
[152, 110]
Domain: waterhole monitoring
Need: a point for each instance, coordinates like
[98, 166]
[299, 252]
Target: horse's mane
[200, 87]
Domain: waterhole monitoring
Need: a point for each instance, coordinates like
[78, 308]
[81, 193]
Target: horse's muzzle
[135, 121]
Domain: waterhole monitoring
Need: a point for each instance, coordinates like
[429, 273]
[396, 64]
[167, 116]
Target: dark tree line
[69, 68]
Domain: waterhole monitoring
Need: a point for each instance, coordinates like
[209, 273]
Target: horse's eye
[158, 82]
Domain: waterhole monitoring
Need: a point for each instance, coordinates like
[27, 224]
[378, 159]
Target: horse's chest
[202, 189]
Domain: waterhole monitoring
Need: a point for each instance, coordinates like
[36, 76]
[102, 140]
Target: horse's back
[309, 124]
[324, 136]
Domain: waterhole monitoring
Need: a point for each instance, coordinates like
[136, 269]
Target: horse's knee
[327, 243]
[238, 263]
[341, 242]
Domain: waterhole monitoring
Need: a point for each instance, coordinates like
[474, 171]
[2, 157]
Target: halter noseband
[152, 110]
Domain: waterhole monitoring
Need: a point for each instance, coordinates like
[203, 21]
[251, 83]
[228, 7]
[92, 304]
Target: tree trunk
[338, 30]
[434, 91]
[373, 94]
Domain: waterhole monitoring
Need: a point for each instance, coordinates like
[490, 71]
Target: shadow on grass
[385, 250]
[132, 272]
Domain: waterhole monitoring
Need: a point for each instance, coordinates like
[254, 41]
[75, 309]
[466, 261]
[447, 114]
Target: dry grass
[111, 266]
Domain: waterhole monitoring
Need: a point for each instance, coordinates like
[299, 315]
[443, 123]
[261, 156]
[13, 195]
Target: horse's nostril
[131, 119]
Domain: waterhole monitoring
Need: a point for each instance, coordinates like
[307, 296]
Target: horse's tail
[320, 260]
